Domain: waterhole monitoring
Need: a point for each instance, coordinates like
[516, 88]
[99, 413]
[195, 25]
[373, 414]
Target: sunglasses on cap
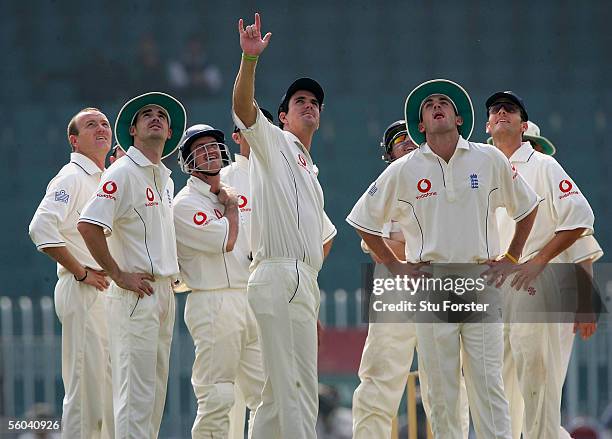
[399, 138]
[509, 107]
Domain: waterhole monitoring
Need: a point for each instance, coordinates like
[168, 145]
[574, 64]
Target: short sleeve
[111, 200]
[378, 204]
[571, 208]
[53, 211]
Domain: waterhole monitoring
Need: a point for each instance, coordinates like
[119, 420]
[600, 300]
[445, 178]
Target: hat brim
[546, 145]
[454, 91]
[176, 112]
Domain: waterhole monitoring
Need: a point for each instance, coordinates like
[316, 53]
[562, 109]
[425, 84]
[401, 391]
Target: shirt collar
[85, 163]
[141, 160]
[461, 144]
[293, 138]
[522, 154]
[241, 161]
[201, 187]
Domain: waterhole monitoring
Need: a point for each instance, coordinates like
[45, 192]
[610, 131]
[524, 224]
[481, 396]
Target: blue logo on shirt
[372, 190]
[62, 196]
[474, 181]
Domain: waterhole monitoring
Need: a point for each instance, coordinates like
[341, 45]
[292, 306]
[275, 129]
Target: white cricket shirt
[563, 207]
[134, 204]
[201, 239]
[54, 223]
[446, 211]
[287, 220]
[237, 176]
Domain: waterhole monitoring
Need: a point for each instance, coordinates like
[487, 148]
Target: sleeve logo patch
[373, 189]
[109, 188]
[218, 213]
[62, 196]
[566, 187]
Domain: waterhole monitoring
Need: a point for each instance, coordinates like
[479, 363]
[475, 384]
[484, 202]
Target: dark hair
[72, 129]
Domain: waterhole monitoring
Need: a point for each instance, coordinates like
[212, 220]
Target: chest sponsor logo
[566, 187]
[218, 213]
[303, 163]
[108, 189]
[151, 198]
[424, 187]
[199, 218]
[243, 204]
[62, 196]
[514, 172]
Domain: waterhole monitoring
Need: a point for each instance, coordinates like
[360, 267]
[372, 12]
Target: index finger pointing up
[257, 21]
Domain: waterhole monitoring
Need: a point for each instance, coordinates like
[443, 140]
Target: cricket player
[87, 406]
[444, 195]
[133, 204]
[389, 347]
[533, 360]
[236, 175]
[288, 232]
[214, 258]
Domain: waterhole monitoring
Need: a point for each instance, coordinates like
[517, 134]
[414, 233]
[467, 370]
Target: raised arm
[244, 88]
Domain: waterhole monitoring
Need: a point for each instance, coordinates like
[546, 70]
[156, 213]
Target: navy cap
[510, 96]
[307, 84]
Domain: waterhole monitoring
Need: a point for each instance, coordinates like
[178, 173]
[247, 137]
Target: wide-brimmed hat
[456, 93]
[532, 134]
[177, 119]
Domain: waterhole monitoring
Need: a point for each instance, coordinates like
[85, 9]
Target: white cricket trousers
[533, 364]
[284, 296]
[383, 371]
[483, 350]
[140, 336]
[87, 411]
[227, 354]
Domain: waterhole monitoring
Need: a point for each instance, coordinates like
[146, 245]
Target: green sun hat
[176, 113]
[532, 135]
[454, 91]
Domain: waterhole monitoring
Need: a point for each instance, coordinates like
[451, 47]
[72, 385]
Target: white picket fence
[30, 369]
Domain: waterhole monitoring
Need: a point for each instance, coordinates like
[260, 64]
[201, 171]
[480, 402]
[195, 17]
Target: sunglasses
[399, 139]
[509, 107]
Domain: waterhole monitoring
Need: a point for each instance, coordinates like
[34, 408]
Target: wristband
[512, 258]
[84, 277]
[249, 57]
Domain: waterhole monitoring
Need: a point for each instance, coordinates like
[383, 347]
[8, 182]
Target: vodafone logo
[109, 187]
[199, 218]
[565, 186]
[243, 201]
[150, 195]
[424, 185]
[218, 213]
